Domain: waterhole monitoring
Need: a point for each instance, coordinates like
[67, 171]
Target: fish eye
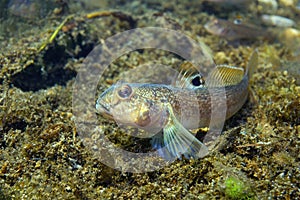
[125, 91]
[237, 21]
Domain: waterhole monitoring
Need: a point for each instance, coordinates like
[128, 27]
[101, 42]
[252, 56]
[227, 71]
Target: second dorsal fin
[224, 75]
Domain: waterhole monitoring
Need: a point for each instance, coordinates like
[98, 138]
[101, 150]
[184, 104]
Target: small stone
[38, 164]
[271, 4]
[287, 2]
[221, 57]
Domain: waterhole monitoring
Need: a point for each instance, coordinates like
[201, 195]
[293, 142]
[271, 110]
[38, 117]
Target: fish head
[215, 27]
[133, 104]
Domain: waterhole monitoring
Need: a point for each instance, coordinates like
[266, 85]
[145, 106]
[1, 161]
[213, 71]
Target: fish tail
[252, 64]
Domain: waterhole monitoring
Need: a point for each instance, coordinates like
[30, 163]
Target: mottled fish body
[175, 109]
[234, 31]
[231, 2]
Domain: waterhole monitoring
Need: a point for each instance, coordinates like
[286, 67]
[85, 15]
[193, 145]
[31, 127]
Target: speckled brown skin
[236, 95]
[232, 31]
[146, 106]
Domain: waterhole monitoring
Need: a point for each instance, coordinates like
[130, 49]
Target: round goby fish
[173, 110]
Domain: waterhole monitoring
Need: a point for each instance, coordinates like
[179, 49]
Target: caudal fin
[252, 64]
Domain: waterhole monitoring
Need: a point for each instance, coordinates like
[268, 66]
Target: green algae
[43, 157]
[236, 189]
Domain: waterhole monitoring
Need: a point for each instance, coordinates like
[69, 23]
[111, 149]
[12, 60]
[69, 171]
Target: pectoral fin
[179, 141]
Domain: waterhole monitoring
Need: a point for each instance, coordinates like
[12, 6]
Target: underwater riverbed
[44, 47]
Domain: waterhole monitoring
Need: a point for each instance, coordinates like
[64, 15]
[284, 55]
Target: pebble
[272, 4]
[287, 2]
[290, 37]
[276, 20]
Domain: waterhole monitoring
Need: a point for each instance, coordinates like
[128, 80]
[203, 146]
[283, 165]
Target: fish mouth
[103, 109]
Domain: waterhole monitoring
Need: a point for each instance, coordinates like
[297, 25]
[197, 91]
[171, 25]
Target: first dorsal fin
[189, 77]
[224, 75]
